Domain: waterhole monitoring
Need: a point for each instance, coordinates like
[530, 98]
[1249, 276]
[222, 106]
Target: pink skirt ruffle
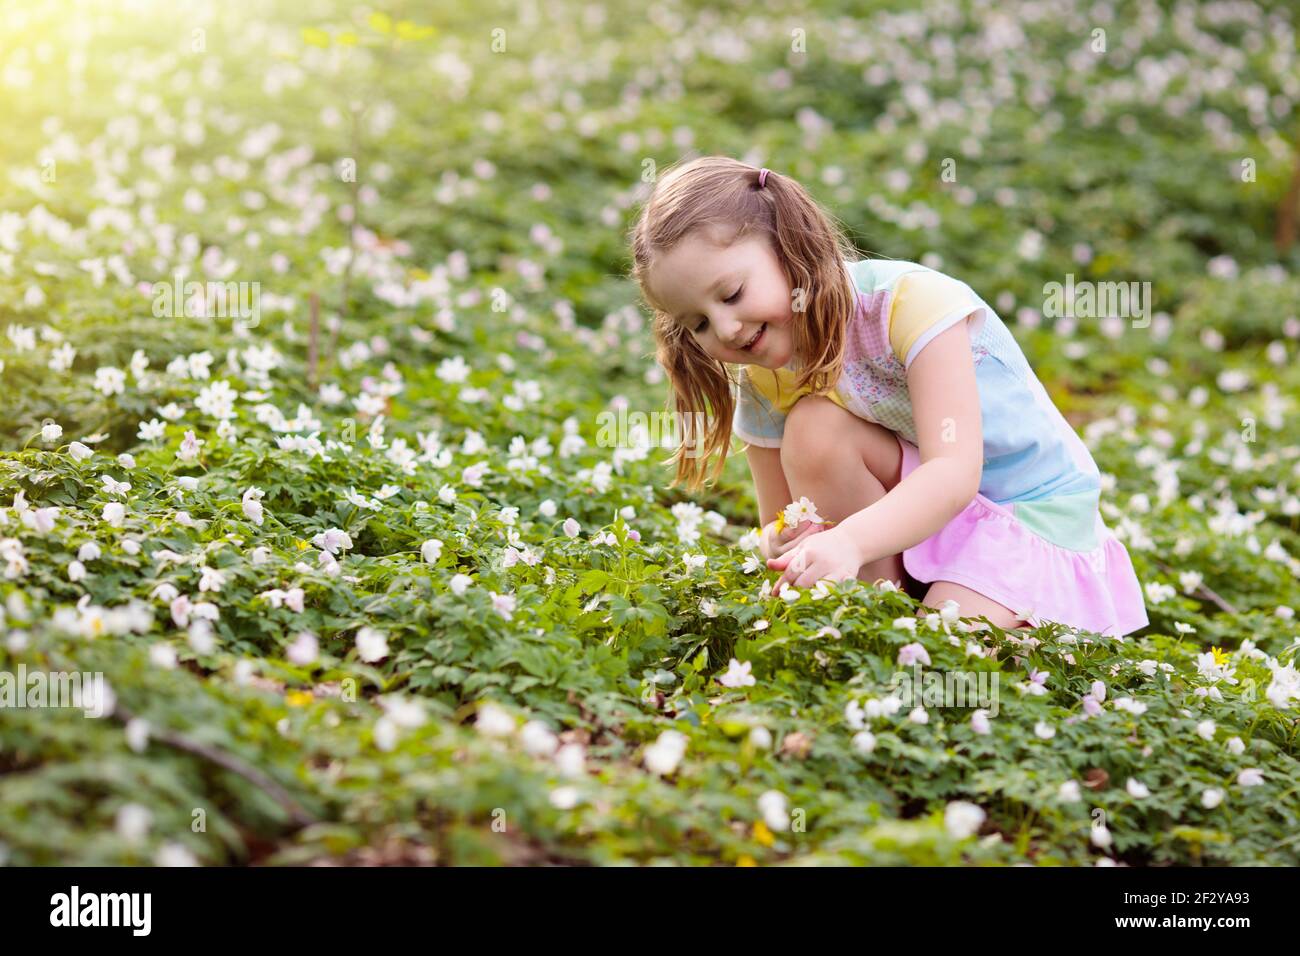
[986, 549]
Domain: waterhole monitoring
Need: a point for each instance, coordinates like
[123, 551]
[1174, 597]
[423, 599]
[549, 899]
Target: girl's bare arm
[770, 486]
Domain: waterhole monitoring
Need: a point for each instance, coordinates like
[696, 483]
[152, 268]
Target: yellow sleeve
[925, 304]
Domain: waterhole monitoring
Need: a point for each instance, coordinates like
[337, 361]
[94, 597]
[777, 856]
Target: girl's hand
[773, 543]
[832, 556]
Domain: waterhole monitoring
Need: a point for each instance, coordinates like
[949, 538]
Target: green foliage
[518, 709]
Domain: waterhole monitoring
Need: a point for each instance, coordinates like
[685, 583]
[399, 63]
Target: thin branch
[313, 342]
[1285, 235]
[299, 816]
[1202, 589]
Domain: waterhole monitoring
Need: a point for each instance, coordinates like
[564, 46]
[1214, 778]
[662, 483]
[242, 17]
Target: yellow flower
[745, 860]
[762, 834]
[410, 31]
[1220, 658]
[780, 521]
[298, 698]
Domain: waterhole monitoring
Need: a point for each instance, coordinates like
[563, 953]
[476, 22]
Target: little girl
[890, 395]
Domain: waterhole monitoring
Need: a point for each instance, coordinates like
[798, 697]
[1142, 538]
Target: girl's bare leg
[972, 604]
[843, 464]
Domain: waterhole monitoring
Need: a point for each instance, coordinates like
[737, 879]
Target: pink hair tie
[762, 176]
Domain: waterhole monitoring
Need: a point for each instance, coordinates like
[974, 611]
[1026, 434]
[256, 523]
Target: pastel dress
[1033, 538]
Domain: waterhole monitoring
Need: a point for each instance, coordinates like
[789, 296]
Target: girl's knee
[813, 431]
[821, 436]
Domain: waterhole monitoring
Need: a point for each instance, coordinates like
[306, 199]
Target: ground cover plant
[365, 576]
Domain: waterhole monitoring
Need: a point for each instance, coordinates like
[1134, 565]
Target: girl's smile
[733, 299]
[752, 344]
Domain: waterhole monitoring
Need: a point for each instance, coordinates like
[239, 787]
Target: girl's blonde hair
[717, 191]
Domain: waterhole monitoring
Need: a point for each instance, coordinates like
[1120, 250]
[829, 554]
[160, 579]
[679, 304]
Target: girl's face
[735, 300]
